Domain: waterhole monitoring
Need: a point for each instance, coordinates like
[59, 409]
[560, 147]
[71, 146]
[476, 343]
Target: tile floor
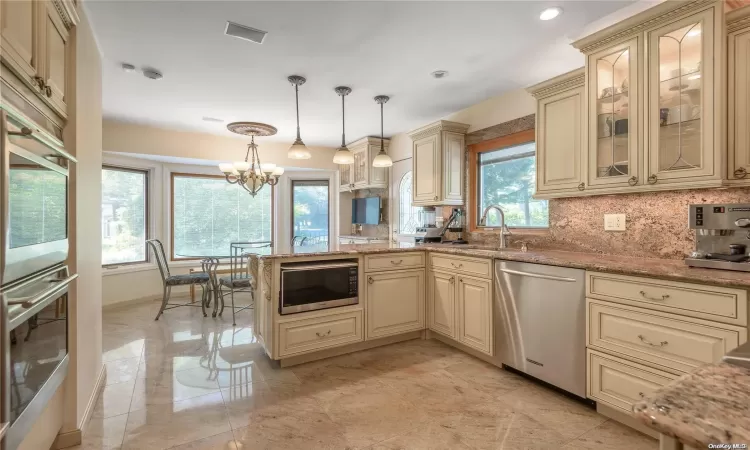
[186, 382]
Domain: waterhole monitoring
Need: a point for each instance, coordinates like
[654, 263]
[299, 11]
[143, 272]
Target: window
[408, 215]
[506, 176]
[208, 214]
[310, 212]
[124, 215]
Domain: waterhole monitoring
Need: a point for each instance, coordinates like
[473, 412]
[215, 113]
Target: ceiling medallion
[253, 175]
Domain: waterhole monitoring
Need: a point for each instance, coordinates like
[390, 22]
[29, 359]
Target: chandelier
[252, 175]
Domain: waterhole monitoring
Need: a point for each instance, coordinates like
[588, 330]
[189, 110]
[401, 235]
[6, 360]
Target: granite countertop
[368, 238]
[670, 269]
[708, 406]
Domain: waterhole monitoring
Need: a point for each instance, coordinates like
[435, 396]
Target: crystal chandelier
[253, 175]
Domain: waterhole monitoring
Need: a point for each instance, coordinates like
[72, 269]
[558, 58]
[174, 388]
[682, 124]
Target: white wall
[142, 281]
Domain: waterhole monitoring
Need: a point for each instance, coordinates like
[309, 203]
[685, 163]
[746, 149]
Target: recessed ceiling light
[127, 67]
[439, 74]
[212, 119]
[152, 74]
[550, 13]
[244, 32]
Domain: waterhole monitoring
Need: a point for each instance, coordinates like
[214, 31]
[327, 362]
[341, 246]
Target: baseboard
[464, 348]
[75, 437]
[359, 346]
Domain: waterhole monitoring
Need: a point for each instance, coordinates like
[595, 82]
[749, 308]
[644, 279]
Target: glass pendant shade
[241, 166]
[382, 160]
[343, 156]
[299, 150]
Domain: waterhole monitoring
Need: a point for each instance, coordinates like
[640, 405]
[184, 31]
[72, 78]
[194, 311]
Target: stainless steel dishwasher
[540, 322]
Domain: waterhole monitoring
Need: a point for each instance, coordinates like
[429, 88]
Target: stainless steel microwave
[34, 205]
[310, 286]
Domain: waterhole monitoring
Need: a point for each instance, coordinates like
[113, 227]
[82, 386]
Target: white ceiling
[387, 48]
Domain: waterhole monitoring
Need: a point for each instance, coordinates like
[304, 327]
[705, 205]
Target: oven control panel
[353, 281]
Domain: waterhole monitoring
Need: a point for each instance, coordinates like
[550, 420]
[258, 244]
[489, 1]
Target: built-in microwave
[309, 286]
[33, 199]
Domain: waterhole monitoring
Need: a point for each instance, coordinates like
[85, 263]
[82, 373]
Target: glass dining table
[236, 257]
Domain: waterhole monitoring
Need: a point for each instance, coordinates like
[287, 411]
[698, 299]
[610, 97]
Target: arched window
[408, 217]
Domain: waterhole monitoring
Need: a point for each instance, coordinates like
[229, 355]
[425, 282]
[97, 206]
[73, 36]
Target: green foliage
[511, 185]
[310, 210]
[38, 203]
[123, 216]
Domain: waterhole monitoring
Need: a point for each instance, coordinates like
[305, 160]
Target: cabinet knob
[39, 82]
[435, 198]
[740, 173]
[653, 179]
[633, 181]
[370, 280]
[582, 186]
[48, 91]
[452, 280]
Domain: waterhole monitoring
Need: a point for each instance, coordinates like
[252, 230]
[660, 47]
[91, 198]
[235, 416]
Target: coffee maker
[722, 232]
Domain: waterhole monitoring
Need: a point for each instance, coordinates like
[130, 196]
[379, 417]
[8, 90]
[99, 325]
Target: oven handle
[54, 290]
[318, 266]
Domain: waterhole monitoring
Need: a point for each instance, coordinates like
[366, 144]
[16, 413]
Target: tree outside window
[124, 212]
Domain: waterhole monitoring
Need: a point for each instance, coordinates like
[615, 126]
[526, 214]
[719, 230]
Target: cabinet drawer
[394, 261]
[470, 266]
[621, 383]
[676, 342]
[695, 300]
[307, 335]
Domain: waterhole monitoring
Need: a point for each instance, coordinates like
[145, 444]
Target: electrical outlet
[614, 222]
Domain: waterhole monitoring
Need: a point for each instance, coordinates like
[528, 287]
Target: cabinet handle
[323, 335]
[395, 263]
[646, 341]
[656, 299]
[641, 394]
[740, 173]
[452, 280]
[370, 280]
[434, 198]
[456, 266]
[39, 82]
[633, 181]
[48, 91]
[653, 179]
[25, 132]
[582, 186]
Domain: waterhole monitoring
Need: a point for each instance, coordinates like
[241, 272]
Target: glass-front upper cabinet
[613, 108]
[681, 108]
[360, 167]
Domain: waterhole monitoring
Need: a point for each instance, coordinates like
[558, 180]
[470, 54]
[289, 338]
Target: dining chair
[239, 279]
[298, 241]
[169, 280]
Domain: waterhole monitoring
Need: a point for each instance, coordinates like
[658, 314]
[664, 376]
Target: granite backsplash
[657, 225]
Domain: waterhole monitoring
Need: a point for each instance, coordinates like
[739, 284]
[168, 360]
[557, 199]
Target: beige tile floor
[188, 382]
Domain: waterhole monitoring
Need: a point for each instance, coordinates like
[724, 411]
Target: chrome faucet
[504, 231]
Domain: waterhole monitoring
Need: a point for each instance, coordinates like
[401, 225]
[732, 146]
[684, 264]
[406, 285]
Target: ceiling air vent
[246, 33]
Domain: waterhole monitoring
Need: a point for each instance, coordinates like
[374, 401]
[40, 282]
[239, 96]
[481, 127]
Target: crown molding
[738, 19]
[570, 80]
[654, 17]
[436, 127]
[67, 11]
[368, 140]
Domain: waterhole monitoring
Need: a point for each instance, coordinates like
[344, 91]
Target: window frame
[500, 143]
[147, 216]
[308, 182]
[170, 229]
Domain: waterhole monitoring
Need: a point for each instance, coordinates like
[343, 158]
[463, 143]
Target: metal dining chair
[298, 241]
[239, 279]
[169, 280]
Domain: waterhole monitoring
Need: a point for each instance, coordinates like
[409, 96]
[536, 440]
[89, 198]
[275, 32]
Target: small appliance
[722, 232]
[310, 286]
[366, 211]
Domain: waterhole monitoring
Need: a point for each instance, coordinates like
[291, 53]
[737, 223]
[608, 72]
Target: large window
[208, 214]
[507, 177]
[124, 215]
[310, 212]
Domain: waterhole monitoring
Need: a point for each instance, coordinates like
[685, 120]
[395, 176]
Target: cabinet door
[681, 106]
[613, 116]
[345, 175]
[378, 176]
[55, 59]
[426, 164]
[395, 302]
[475, 313]
[559, 139]
[19, 27]
[739, 105]
[441, 310]
[360, 168]
[453, 168]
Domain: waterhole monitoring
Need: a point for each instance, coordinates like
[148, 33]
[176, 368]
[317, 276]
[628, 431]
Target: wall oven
[310, 286]
[33, 199]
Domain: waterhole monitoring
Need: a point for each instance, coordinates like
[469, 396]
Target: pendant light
[298, 150]
[382, 159]
[343, 155]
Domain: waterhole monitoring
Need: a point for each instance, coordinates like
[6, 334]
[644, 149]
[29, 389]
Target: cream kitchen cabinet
[438, 164]
[474, 298]
[441, 311]
[560, 133]
[361, 174]
[34, 45]
[395, 302]
[738, 57]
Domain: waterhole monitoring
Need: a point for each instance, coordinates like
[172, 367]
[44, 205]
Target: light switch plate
[614, 222]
